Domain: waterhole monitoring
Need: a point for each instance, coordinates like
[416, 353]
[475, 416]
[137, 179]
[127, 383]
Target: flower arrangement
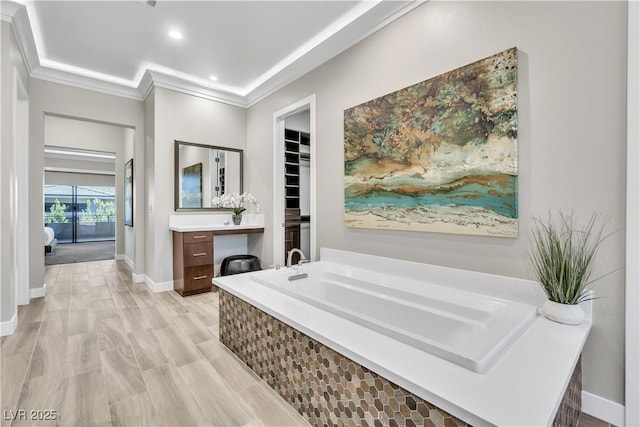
[236, 202]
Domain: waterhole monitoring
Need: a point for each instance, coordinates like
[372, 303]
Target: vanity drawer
[197, 237]
[196, 254]
[198, 279]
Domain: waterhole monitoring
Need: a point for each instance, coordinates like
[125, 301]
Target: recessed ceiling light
[175, 34]
[213, 78]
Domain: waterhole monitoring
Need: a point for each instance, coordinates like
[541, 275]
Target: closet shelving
[292, 155]
[292, 141]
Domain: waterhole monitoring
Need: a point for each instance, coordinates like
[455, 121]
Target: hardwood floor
[100, 350]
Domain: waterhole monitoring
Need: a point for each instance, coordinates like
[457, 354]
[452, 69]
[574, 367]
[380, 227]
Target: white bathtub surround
[523, 387]
[217, 221]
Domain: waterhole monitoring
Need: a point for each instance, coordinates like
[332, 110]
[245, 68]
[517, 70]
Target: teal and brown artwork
[438, 156]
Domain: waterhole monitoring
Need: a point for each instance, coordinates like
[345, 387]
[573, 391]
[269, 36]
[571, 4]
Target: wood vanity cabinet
[192, 262]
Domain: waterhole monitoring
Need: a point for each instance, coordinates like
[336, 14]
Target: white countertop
[230, 227]
[523, 388]
[214, 222]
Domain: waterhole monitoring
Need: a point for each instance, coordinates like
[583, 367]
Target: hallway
[101, 350]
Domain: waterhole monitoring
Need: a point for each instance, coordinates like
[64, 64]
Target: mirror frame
[176, 189]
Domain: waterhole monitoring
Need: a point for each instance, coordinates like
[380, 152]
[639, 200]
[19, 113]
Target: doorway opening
[79, 205]
[294, 180]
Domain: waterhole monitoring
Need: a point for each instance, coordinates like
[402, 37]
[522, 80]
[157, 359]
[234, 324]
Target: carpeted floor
[66, 253]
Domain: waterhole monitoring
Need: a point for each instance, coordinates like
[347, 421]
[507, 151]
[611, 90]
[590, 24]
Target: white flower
[236, 202]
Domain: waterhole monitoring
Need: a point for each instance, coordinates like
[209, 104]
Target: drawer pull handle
[199, 277]
[199, 237]
[200, 254]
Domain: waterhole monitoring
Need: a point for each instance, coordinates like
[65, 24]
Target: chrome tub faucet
[290, 256]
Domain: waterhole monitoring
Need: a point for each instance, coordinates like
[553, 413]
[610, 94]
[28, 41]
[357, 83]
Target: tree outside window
[99, 211]
[56, 213]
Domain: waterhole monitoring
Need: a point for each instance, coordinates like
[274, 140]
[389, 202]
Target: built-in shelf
[292, 155]
[292, 141]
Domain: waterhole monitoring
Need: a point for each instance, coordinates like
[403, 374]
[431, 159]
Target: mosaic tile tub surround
[327, 387]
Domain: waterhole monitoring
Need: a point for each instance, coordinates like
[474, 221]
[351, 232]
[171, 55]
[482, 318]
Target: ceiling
[251, 47]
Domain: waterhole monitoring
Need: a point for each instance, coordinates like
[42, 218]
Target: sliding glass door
[80, 213]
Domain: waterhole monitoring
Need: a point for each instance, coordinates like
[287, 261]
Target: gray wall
[177, 116]
[571, 138]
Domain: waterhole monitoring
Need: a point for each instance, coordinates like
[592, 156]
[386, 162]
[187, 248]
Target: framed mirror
[203, 172]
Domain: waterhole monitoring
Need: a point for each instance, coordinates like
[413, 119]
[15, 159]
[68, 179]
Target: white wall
[571, 102]
[184, 118]
[51, 102]
[11, 63]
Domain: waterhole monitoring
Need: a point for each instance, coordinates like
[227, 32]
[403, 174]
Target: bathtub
[472, 344]
[466, 328]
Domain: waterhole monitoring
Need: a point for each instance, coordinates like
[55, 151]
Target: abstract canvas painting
[438, 156]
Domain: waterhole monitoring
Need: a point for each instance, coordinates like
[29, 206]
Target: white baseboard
[126, 259]
[603, 409]
[137, 278]
[158, 287]
[9, 327]
[38, 292]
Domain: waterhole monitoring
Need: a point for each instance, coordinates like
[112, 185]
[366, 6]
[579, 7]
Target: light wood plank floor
[101, 350]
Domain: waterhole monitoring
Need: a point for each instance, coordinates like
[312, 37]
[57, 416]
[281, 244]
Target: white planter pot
[569, 314]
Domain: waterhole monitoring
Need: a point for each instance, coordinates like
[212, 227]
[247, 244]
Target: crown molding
[166, 81]
[16, 14]
[83, 82]
[8, 9]
[369, 18]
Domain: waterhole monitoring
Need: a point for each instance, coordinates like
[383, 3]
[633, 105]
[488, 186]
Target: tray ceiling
[251, 47]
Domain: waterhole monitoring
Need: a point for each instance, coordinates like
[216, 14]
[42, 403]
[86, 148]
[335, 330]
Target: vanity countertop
[251, 223]
[235, 229]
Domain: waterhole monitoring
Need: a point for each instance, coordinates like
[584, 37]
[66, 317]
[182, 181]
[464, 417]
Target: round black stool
[236, 264]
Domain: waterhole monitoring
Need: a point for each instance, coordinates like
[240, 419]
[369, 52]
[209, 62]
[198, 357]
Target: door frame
[308, 103]
[632, 279]
[20, 187]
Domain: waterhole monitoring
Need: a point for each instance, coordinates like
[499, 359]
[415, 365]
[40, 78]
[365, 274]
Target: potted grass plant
[562, 255]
